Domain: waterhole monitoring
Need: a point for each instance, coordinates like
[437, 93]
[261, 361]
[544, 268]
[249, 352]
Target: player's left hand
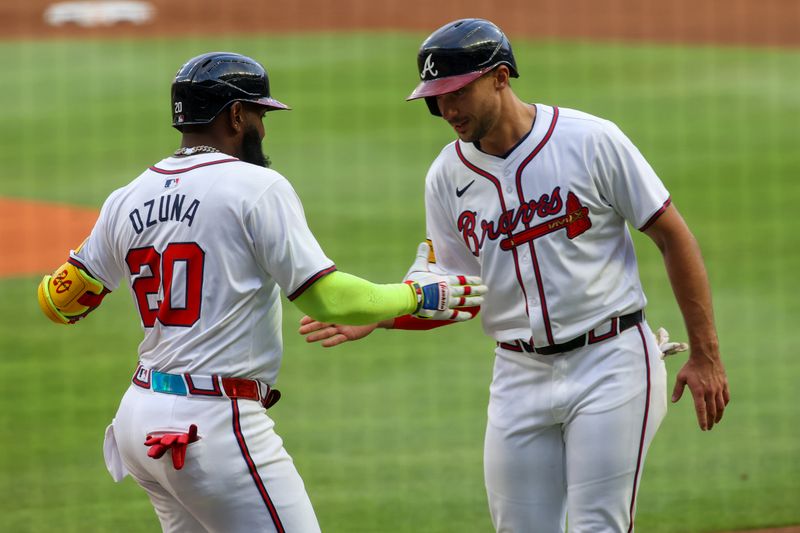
[441, 296]
[705, 376]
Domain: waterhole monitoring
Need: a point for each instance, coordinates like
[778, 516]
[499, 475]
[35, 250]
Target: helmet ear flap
[433, 106]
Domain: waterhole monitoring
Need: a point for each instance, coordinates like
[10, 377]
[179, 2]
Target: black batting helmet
[458, 53]
[209, 83]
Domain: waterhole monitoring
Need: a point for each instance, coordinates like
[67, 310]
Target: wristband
[417, 294]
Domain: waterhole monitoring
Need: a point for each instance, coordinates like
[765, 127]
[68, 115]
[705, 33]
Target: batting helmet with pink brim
[458, 53]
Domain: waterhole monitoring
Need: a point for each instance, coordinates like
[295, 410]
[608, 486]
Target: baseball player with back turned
[207, 238]
[535, 199]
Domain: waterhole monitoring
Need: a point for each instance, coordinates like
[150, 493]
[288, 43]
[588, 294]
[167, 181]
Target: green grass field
[387, 433]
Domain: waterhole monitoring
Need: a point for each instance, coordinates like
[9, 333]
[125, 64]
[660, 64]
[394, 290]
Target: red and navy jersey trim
[310, 281]
[643, 435]
[536, 270]
[187, 169]
[496, 183]
[657, 214]
[253, 468]
[479, 171]
[74, 262]
[520, 193]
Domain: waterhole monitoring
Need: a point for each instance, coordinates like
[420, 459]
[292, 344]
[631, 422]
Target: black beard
[251, 149]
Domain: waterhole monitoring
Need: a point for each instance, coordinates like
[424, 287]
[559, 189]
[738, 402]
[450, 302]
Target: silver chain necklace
[192, 150]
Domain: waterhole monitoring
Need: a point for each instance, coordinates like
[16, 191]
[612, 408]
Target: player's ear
[236, 116]
[501, 77]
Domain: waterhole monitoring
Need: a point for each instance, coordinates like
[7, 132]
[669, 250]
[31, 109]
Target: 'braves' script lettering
[475, 232]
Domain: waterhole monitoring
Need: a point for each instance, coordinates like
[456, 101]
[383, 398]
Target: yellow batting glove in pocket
[69, 294]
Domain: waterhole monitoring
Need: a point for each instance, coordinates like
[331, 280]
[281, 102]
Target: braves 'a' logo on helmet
[428, 67]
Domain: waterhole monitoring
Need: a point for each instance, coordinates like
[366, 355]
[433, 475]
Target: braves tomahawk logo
[575, 221]
[429, 67]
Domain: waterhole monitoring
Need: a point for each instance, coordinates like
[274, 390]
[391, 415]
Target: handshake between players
[441, 296]
[460, 300]
[444, 299]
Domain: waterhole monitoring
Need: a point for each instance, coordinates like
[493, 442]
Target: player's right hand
[440, 297]
[330, 335]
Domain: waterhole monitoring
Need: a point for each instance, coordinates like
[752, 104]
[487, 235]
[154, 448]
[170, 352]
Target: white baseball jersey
[206, 243]
[545, 226]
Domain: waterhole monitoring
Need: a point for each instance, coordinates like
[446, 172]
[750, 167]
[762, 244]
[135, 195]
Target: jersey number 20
[163, 278]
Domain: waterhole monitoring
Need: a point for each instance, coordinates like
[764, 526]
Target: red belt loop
[611, 333]
[240, 388]
[272, 397]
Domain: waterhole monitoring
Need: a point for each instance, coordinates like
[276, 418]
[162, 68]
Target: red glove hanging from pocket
[176, 442]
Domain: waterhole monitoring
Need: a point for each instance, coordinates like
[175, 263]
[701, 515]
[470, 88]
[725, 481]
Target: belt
[618, 325]
[206, 386]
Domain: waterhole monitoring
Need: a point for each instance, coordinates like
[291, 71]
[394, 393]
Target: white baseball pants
[567, 434]
[237, 478]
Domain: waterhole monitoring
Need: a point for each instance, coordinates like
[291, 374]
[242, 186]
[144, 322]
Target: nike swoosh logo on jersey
[460, 192]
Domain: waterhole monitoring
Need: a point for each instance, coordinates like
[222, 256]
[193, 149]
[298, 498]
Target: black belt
[618, 325]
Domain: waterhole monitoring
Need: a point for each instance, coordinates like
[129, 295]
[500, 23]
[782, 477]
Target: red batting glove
[176, 442]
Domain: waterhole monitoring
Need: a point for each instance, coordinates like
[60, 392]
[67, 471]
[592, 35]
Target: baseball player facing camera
[206, 239]
[535, 200]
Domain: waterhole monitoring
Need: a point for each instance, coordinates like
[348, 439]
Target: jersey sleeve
[450, 253]
[97, 255]
[285, 247]
[626, 180]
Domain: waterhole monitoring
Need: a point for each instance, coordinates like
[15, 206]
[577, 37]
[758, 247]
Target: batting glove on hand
[668, 348]
[440, 296]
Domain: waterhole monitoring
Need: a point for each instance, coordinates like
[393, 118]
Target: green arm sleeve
[346, 299]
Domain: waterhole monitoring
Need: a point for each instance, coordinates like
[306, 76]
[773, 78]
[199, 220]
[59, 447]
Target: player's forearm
[689, 280]
[345, 299]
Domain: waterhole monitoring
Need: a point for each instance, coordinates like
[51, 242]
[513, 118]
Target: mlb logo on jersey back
[171, 182]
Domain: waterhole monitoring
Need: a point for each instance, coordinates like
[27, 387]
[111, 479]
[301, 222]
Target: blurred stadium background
[387, 433]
